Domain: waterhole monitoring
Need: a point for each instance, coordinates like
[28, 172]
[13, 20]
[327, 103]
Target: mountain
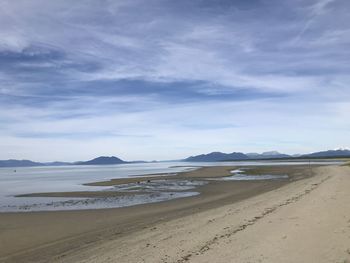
[18, 163]
[210, 157]
[216, 157]
[103, 160]
[56, 163]
[219, 156]
[267, 155]
[330, 153]
[253, 155]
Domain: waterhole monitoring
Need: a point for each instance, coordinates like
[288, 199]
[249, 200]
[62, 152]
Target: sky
[164, 79]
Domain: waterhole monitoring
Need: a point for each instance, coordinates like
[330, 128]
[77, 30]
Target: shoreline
[39, 236]
[200, 173]
[205, 173]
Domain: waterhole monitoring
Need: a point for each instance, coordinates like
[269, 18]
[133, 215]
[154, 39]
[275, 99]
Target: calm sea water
[16, 181]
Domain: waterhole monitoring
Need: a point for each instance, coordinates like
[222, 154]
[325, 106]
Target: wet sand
[202, 172]
[82, 194]
[71, 236]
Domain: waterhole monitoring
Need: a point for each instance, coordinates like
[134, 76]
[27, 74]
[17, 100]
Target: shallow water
[60, 204]
[138, 193]
[247, 177]
[141, 193]
[72, 178]
[158, 185]
[243, 175]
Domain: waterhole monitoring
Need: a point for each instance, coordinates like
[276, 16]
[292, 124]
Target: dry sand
[304, 220]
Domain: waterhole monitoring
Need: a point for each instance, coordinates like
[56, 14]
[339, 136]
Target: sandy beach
[174, 131]
[303, 219]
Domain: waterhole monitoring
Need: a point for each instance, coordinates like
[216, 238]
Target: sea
[26, 180]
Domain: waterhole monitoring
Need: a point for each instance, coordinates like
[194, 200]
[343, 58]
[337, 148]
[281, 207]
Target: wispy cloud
[182, 75]
[315, 10]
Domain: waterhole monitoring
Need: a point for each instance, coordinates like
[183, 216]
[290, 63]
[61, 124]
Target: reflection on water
[134, 194]
[243, 175]
[158, 185]
[247, 177]
[47, 204]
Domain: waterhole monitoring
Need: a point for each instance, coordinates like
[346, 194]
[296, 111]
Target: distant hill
[216, 157]
[18, 163]
[330, 153]
[103, 160]
[210, 157]
[219, 156]
[267, 155]
[57, 163]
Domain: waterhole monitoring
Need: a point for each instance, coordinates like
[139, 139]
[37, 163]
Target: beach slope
[304, 221]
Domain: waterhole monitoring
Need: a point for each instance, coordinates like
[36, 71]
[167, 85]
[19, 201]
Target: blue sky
[168, 79]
